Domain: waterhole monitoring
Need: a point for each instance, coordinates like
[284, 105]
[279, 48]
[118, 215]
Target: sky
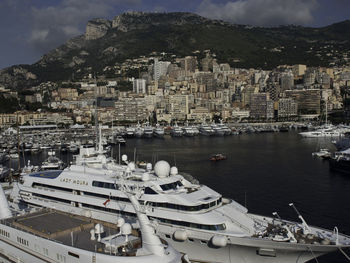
[31, 28]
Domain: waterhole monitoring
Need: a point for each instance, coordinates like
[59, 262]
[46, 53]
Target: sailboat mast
[18, 150]
[326, 113]
[96, 116]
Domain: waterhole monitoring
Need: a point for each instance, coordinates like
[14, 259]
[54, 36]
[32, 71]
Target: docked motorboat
[205, 129]
[158, 131]
[326, 131]
[218, 131]
[195, 130]
[120, 140]
[138, 131]
[323, 153]
[176, 131]
[52, 162]
[188, 131]
[224, 128]
[130, 132]
[147, 130]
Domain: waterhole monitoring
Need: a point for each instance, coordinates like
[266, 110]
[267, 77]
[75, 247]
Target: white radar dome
[120, 222]
[131, 166]
[124, 158]
[145, 177]
[126, 229]
[174, 171]
[149, 167]
[162, 169]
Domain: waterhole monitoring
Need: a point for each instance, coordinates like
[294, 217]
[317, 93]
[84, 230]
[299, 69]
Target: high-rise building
[287, 107]
[309, 100]
[160, 68]
[274, 90]
[261, 107]
[139, 86]
[131, 109]
[310, 77]
[189, 64]
[178, 106]
[287, 81]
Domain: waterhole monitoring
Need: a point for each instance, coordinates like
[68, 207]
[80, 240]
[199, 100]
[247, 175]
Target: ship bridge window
[184, 207]
[47, 174]
[171, 186]
[150, 191]
[105, 185]
[36, 185]
[192, 225]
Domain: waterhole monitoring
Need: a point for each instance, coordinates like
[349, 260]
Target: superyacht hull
[220, 230]
[237, 253]
[10, 253]
[199, 248]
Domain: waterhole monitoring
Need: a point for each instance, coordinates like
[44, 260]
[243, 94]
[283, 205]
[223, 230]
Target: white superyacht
[193, 218]
[48, 235]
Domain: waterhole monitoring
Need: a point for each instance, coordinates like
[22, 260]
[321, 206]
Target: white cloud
[39, 35]
[261, 12]
[53, 25]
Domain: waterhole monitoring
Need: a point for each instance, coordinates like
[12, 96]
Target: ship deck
[70, 230]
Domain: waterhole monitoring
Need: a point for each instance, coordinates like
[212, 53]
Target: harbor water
[264, 171]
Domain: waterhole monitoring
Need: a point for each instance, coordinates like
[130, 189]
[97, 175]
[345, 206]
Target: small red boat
[217, 157]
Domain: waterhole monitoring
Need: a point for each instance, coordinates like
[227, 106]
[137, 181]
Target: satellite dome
[145, 177]
[174, 171]
[126, 229]
[120, 222]
[131, 166]
[124, 158]
[162, 169]
[149, 167]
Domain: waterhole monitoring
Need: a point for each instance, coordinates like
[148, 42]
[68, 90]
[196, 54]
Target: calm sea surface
[264, 172]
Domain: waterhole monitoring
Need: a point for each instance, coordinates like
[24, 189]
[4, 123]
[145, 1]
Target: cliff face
[133, 34]
[97, 28]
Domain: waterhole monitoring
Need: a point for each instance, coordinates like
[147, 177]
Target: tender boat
[217, 157]
[176, 131]
[147, 130]
[323, 153]
[158, 131]
[52, 162]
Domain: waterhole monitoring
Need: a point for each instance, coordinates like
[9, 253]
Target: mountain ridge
[132, 34]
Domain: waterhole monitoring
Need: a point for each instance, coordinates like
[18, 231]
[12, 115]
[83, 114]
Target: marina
[235, 177]
[186, 152]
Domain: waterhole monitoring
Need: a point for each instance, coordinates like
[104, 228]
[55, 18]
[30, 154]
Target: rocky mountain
[133, 34]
